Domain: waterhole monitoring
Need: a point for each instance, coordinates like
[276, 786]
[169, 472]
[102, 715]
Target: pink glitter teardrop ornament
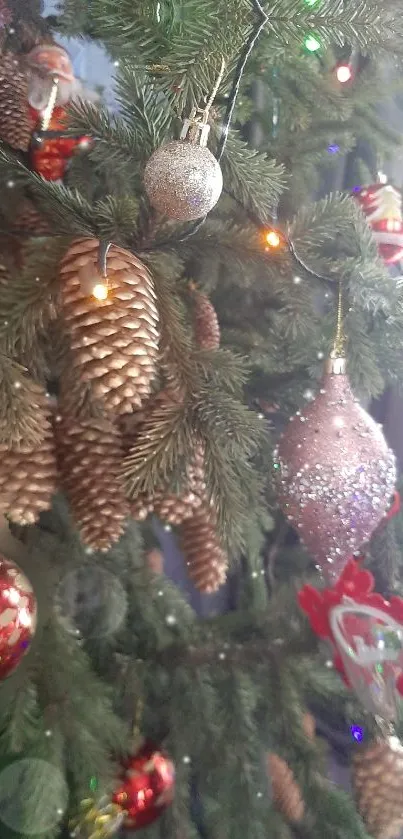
[336, 473]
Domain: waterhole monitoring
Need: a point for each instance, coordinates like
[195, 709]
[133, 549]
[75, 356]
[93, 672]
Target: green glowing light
[311, 43]
[94, 783]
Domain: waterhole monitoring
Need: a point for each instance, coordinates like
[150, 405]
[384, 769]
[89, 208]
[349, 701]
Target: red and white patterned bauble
[382, 206]
[336, 473]
[17, 616]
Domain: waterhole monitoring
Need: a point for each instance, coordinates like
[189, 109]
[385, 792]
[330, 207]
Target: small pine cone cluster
[15, 122]
[378, 787]
[89, 453]
[114, 341]
[287, 795]
[28, 479]
[206, 561]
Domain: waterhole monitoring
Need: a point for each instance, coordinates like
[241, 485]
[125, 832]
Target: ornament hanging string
[262, 19]
[206, 110]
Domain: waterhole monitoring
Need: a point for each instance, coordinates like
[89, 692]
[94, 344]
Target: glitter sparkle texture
[336, 475]
[183, 180]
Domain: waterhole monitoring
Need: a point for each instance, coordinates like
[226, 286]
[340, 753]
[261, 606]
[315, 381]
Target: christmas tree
[175, 272]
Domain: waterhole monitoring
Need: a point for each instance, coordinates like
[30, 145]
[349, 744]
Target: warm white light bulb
[100, 291]
[343, 73]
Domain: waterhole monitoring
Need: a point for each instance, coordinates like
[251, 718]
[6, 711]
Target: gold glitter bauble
[183, 180]
[337, 474]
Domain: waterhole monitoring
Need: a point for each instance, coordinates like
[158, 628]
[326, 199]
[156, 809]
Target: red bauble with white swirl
[17, 616]
[147, 787]
[382, 206]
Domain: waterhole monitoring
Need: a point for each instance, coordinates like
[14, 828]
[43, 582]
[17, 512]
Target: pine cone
[141, 507]
[309, 725]
[89, 454]
[378, 787]
[29, 221]
[114, 342]
[206, 326]
[175, 509]
[155, 561]
[287, 796]
[28, 479]
[15, 123]
[205, 559]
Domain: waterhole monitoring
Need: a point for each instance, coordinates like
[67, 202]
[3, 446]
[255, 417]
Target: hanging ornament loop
[196, 128]
[336, 364]
[214, 92]
[340, 339]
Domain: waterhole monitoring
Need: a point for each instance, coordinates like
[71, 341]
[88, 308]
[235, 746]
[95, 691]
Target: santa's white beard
[40, 87]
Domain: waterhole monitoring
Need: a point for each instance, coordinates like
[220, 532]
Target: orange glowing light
[100, 291]
[273, 239]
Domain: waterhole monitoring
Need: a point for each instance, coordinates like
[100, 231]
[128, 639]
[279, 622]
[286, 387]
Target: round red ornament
[382, 206]
[17, 616]
[147, 787]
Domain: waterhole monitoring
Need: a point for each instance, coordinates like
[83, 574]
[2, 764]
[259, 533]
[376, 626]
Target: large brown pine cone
[89, 454]
[15, 122]
[28, 478]
[206, 326]
[114, 342]
[206, 560]
[378, 787]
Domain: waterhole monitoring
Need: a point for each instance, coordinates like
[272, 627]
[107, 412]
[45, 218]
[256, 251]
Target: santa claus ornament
[382, 206]
[51, 87]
